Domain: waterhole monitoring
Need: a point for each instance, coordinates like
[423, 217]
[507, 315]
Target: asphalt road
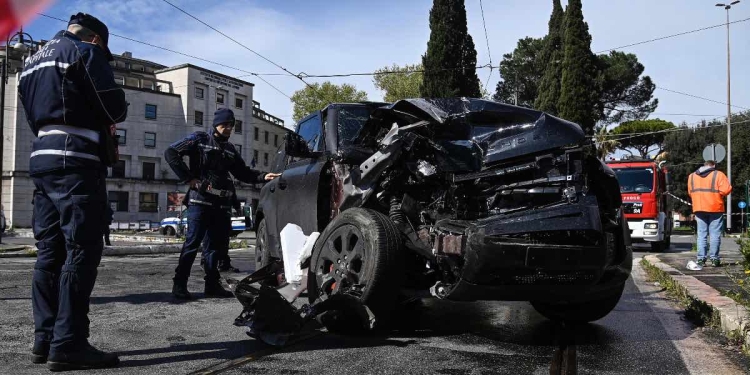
[133, 314]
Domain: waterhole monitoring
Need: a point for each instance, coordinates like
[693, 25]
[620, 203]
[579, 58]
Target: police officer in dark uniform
[71, 101]
[209, 199]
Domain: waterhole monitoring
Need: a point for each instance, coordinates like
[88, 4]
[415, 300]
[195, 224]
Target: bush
[745, 251]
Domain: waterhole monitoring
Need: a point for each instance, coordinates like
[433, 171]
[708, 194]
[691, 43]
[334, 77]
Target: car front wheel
[358, 254]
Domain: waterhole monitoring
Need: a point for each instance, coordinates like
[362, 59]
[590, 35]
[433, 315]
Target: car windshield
[635, 180]
[351, 122]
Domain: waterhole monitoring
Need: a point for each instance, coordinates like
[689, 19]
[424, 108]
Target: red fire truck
[643, 184]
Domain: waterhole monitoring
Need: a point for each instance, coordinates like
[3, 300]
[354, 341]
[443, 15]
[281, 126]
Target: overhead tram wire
[672, 36]
[186, 55]
[487, 40]
[245, 47]
[699, 97]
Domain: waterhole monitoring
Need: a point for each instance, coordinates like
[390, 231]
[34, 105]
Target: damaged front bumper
[560, 253]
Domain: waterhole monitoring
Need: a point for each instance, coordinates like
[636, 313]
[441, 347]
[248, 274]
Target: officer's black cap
[92, 23]
[223, 116]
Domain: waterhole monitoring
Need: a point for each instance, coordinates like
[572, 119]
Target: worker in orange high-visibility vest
[708, 188]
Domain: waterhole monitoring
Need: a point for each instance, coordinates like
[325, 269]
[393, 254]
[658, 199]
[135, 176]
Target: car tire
[262, 252]
[169, 231]
[578, 313]
[367, 244]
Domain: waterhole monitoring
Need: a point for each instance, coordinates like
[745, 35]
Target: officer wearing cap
[209, 198]
[71, 102]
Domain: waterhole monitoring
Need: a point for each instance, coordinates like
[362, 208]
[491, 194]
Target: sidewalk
[704, 291]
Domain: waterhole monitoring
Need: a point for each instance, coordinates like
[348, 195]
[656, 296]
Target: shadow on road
[141, 298]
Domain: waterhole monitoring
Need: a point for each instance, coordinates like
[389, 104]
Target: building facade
[166, 104]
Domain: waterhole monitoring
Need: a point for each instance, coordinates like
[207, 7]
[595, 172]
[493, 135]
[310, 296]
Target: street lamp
[729, 120]
[21, 47]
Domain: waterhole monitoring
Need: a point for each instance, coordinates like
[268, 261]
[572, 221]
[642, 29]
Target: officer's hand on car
[271, 176]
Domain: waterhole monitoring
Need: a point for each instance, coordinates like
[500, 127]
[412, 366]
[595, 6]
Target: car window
[311, 131]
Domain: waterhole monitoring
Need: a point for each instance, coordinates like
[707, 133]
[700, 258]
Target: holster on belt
[110, 153]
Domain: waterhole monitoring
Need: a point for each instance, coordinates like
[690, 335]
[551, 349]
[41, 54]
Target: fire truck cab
[643, 185]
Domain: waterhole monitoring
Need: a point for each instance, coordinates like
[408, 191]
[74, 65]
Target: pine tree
[578, 88]
[551, 60]
[450, 61]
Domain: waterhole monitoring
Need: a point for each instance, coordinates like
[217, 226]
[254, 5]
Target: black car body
[467, 198]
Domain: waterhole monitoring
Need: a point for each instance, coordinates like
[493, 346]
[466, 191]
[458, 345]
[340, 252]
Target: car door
[296, 191]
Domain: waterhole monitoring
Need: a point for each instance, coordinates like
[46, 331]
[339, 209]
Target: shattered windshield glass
[491, 126]
[635, 180]
[351, 122]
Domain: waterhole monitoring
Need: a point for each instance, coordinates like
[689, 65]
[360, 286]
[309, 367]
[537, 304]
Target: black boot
[40, 352]
[214, 289]
[180, 291]
[227, 267]
[87, 357]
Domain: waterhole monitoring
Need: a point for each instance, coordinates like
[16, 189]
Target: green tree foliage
[401, 85]
[521, 71]
[606, 144]
[578, 88]
[316, 96]
[551, 61]
[623, 94]
[643, 136]
[450, 61]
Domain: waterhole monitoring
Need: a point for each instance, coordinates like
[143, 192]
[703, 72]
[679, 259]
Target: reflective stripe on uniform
[69, 130]
[710, 190]
[65, 153]
[46, 64]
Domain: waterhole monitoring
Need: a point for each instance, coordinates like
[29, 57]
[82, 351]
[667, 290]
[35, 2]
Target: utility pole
[729, 119]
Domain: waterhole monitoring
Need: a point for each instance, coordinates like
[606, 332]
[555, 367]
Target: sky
[348, 36]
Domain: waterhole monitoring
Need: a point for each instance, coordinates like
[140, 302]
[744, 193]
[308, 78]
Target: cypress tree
[450, 61]
[578, 89]
[551, 60]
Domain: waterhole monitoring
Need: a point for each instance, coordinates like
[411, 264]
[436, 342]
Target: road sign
[742, 205]
[715, 152]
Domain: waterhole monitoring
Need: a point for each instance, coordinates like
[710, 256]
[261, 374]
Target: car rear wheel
[262, 252]
[579, 312]
[169, 231]
[359, 254]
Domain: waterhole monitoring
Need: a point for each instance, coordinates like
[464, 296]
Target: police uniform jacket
[70, 97]
[212, 160]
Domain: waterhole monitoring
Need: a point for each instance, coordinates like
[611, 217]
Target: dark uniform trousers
[68, 212]
[213, 224]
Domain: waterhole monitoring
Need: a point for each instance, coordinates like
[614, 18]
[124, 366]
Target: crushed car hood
[499, 131]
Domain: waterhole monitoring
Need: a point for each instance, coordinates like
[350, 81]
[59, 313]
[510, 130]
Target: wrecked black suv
[465, 198]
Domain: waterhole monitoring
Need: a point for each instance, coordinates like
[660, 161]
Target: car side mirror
[295, 146]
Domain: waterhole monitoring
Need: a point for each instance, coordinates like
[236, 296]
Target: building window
[265, 159]
[147, 202]
[120, 80]
[255, 157]
[149, 140]
[199, 93]
[122, 136]
[265, 136]
[238, 126]
[239, 149]
[219, 98]
[198, 118]
[257, 132]
[118, 170]
[275, 140]
[150, 112]
[238, 103]
[149, 170]
[118, 200]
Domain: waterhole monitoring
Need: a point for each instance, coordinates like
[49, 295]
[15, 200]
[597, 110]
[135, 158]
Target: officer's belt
[219, 193]
[204, 203]
[89, 134]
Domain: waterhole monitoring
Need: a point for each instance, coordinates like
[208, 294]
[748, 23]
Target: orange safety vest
[707, 193]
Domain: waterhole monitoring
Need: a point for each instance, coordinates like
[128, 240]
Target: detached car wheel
[579, 312]
[358, 254]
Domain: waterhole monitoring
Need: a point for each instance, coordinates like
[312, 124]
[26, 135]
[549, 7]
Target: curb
[730, 317]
